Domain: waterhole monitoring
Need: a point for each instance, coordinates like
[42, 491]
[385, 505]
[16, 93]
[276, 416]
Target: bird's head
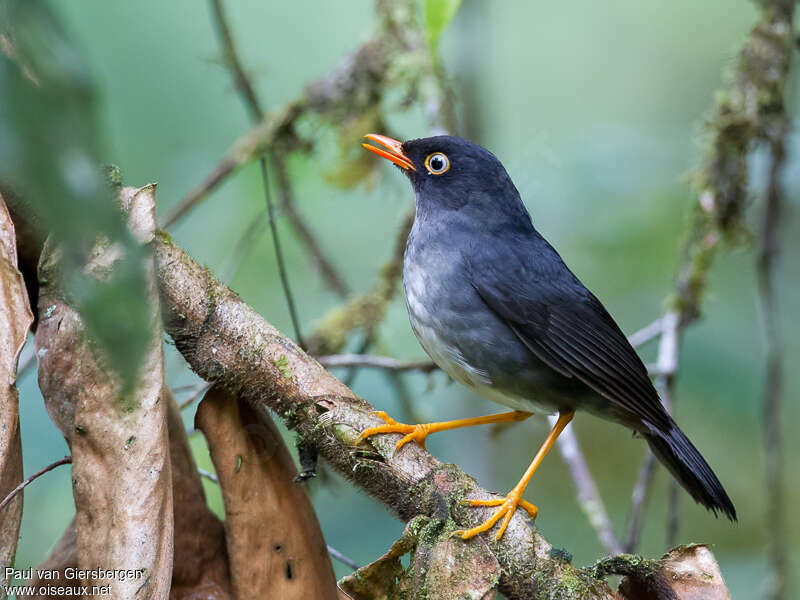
[449, 172]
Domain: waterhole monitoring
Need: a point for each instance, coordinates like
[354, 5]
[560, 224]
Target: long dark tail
[691, 470]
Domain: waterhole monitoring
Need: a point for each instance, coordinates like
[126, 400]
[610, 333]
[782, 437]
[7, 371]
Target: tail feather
[679, 455]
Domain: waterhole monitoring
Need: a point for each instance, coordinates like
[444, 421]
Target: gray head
[451, 173]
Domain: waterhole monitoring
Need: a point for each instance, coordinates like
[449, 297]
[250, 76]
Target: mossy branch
[228, 343]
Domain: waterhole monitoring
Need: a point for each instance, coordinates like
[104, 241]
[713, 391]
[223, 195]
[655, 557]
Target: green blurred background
[593, 108]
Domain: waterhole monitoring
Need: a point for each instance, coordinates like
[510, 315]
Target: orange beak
[394, 152]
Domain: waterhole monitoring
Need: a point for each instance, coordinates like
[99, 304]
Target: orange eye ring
[441, 164]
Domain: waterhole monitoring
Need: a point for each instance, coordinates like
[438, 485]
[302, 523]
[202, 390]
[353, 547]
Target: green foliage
[50, 157]
[438, 14]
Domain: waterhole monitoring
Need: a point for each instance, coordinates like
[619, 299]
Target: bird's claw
[417, 433]
[508, 506]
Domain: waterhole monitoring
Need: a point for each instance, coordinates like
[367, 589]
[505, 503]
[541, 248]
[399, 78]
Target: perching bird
[496, 308]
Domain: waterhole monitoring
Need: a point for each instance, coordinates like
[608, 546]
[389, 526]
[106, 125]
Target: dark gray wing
[561, 322]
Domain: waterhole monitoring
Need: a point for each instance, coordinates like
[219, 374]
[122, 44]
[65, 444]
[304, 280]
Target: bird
[496, 308]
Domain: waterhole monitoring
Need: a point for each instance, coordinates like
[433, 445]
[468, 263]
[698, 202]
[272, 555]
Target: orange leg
[418, 433]
[514, 498]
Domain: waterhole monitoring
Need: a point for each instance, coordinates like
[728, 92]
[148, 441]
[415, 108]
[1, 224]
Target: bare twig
[639, 499]
[244, 246]
[64, 461]
[221, 172]
[342, 558]
[665, 368]
[588, 495]
[673, 513]
[376, 362]
[330, 275]
[351, 90]
[231, 58]
[645, 334]
[287, 290]
[226, 341]
[769, 248]
[743, 115]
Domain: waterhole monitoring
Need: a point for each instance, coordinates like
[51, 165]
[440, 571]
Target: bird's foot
[417, 433]
[508, 506]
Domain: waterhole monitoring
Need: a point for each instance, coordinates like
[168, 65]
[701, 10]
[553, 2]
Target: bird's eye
[437, 163]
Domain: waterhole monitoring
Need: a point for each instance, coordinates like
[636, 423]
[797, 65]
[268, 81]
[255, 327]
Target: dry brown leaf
[120, 447]
[15, 320]
[200, 563]
[200, 570]
[275, 546]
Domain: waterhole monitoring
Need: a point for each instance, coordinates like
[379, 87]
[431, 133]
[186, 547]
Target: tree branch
[769, 248]
[350, 91]
[373, 361]
[742, 116]
[226, 342]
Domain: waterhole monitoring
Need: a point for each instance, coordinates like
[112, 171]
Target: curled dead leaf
[120, 447]
[200, 563]
[15, 321]
[275, 546]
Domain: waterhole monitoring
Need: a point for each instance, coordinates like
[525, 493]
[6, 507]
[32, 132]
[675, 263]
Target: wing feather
[565, 326]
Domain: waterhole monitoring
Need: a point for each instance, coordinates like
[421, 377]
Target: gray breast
[461, 335]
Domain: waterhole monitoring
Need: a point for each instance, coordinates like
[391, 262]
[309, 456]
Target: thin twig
[673, 513]
[369, 339]
[231, 58]
[354, 87]
[189, 202]
[639, 499]
[64, 461]
[330, 275]
[376, 362]
[745, 113]
[588, 494]
[342, 558]
[645, 334]
[665, 368]
[287, 290]
[244, 246]
[769, 247]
